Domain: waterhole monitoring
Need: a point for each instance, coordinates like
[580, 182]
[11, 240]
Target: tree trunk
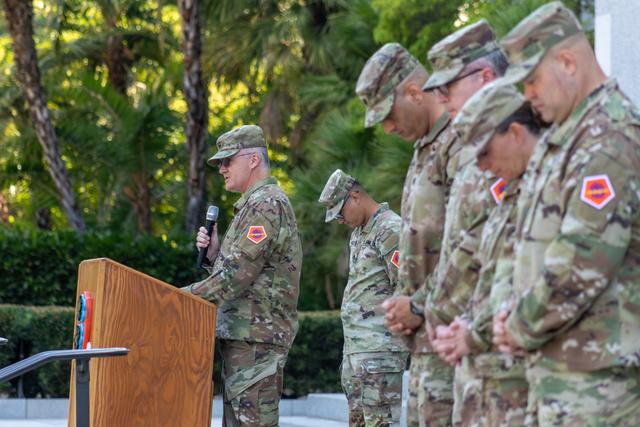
[19, 14]
[195, 93]
[117, 62]
[139, 195]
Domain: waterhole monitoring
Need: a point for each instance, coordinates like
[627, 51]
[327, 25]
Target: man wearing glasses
[373, 360]
[390, 87]
[254, 280]
[462, 63]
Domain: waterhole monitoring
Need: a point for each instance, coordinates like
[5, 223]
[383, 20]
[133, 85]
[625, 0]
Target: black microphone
[212, 216]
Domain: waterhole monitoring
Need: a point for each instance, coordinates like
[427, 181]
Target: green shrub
[312, 365]
[314, 359]
[41, 268]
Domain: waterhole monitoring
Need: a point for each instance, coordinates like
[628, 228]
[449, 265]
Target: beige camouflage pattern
[373, 277]
[230, 143]
[526, 44]
[494, 387]
[494, 394]
[430, 401]
[380, 76]
[450, 55]
[373, 359]
[424, 197]
[485, 111]
[256, 276]
[252, 375]
[469, 205]
[603, 398]
[577, 265]
[373, 385]
[335, 193]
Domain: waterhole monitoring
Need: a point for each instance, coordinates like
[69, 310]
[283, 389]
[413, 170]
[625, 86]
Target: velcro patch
[497, 190]
[395, 258]
[597, 191]
[256, 234]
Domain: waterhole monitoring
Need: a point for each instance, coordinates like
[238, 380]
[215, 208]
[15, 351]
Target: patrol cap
[231, 142]
[450, 55]
[380, 76]
[335, 193]
[527, 43]
[485, 111]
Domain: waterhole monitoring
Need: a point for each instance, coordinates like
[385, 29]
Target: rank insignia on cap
[497, 190]
[256, 234]
[395, 259]
[597, 191]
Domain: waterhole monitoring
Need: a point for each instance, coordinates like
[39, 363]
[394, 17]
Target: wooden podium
[166, 379]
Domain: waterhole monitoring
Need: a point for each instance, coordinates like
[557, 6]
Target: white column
[617, 42]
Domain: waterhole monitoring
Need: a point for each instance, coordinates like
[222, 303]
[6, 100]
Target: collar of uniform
[245, 196]
[512, 188]
[436, 130]
[383, 207]
[559, 137]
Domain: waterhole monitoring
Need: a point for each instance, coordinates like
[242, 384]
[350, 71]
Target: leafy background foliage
[289, 65]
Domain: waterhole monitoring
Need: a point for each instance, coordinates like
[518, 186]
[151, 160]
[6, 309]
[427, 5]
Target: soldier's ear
[488, 74]
[413, 92]
[517, 130]
[355, 195]
[567, 61]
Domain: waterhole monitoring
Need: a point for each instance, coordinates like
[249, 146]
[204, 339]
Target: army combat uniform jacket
[578, 251]
[424, 197]
[472, 197]
[256, 276]
[373, 277]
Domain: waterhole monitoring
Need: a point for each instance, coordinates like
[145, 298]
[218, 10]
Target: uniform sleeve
[600, 199]
[237, 268]
[457, 281]
[389, 255]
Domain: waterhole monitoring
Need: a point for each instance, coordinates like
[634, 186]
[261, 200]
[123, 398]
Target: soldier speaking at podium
[254, 280]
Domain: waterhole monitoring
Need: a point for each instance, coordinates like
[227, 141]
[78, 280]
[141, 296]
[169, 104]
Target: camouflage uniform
[449, 288]
[494, 387]
[577, 266]
[254, 282]
[424, 196]
[373, 360]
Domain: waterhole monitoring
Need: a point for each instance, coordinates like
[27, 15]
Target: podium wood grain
[166, 379]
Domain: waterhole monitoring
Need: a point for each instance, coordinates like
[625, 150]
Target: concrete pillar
[617, 42]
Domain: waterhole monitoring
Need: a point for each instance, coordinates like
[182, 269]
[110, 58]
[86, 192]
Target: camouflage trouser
[491, 390]
[252, 379]
[607, 397]
[372, 383]
[430, 391]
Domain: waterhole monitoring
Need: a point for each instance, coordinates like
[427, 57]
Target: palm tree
[195, 92]
[19, 15]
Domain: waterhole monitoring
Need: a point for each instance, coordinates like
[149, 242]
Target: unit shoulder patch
[497, 190]
[597, 191]
[256, 234]
[395, 258]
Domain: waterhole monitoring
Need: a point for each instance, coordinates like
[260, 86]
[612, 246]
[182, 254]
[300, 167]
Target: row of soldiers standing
[512, 273]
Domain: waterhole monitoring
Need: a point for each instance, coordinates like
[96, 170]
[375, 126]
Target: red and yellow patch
[497, 190]
[597, 191]
[395, 259]
[256, 234]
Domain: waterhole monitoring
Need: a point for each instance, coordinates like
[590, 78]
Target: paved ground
[216, 422]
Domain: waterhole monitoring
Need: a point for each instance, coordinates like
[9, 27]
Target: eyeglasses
[340, 217]
[227, 161]
[444, 89]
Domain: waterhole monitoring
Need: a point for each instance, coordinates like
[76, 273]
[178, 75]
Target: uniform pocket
[382, 381]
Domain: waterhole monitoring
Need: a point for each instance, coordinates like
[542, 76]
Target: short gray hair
[496, 60]
[262, 152]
